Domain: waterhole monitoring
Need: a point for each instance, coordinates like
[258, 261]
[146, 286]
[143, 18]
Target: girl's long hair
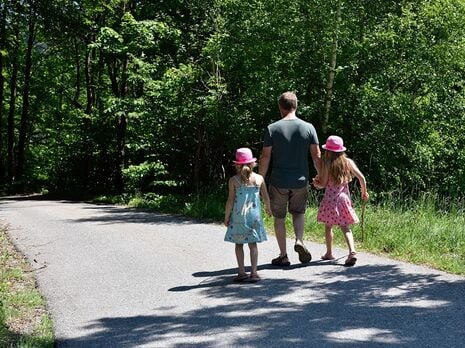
[337, 167]
[245, 170]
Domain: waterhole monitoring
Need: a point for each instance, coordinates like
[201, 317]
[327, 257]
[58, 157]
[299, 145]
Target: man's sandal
[351, 259]
[281, 261]
[304, 254]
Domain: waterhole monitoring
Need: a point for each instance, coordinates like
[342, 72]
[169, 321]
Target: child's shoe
[240, 278]
[327, 257]
[254, 277]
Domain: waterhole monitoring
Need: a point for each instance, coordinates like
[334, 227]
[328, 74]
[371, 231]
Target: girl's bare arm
[361, 179]
[321, 180]
[229, 202]
[265, 196]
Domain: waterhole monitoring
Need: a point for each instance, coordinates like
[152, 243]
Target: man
[286, 144]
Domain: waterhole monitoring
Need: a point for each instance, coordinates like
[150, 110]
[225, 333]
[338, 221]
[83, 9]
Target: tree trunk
[2, 86]
[25, 114]
[11, 112]
[90, 102]
[332, 73]
[77, 92]
[122, 121]
[89, 81]
[112, 74]
[199, 158]
[121, 127]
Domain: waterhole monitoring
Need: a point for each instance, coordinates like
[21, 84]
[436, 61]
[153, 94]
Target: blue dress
[246, 223]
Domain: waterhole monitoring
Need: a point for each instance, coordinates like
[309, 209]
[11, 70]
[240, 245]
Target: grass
[207, 205]
[24, 320]
[423, 230]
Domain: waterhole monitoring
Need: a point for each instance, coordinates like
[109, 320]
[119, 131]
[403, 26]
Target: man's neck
[289, 115]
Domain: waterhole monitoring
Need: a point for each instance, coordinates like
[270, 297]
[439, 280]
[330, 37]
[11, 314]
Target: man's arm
[316, 156]
[264, 161]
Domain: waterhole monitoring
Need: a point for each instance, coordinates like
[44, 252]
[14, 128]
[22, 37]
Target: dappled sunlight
[301, 296]
[368, 335]
[415, 303]
[376, 304]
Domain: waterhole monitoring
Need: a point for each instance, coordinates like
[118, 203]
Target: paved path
[116, 277]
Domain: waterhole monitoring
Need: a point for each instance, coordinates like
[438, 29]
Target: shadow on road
[365, 306]
[111, 214]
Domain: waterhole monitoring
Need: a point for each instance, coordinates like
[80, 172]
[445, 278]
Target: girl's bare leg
[329, 235]
[240, 258]
[253, 257]
[349, 238]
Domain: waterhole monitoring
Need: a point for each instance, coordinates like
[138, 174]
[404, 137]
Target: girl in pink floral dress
[336, 209]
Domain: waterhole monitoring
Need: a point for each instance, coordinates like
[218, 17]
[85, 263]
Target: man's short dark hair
[288, 101]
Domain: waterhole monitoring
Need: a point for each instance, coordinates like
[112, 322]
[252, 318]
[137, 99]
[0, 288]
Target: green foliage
[207, 205]
[182, 83]
[145, 177]
[166, 203]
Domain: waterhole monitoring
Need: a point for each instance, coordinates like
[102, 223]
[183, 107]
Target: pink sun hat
[244, 156]
[334, 144]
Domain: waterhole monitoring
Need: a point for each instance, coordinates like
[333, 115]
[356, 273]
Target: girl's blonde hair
[336, 166]
[244, 171]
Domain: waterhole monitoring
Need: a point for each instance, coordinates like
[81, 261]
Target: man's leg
[280, 231]
[298, 220]
[297, 207]
[279, 199]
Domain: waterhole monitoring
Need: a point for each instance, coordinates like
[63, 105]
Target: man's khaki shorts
[293, 200]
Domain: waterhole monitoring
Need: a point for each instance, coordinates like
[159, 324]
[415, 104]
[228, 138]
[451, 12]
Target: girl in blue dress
[243, 213]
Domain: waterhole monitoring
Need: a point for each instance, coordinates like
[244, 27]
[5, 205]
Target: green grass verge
[24, 320]
[415, 235]
[426, 230]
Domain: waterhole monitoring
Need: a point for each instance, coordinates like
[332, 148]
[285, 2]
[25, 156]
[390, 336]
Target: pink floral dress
[336, 206]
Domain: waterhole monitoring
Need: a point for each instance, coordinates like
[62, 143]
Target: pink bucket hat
[334, 144]
[244, 156]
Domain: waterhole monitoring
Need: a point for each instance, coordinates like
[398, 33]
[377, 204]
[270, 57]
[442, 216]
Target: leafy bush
[145, 177]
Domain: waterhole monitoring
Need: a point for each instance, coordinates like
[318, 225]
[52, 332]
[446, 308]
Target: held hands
[317, 183]
[268, 210]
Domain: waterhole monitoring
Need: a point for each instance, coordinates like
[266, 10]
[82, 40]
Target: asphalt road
[116, 277]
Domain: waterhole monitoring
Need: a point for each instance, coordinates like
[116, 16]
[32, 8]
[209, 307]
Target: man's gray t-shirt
[290, 141]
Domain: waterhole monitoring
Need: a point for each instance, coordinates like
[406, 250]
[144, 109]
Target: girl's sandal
[254, 278]
[328, 258]
[240, 278]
